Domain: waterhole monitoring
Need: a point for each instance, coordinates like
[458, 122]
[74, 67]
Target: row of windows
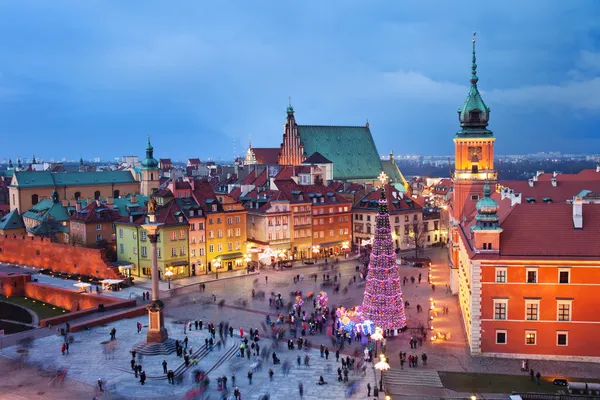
[77, 195]
[301, 209]
[331, 233]
[200, 252]
[321, 221]
[359, 217]
[531, 276]
[229, 220]
[278, 220]
[331, 210]
[562, 337]
[301, 233]
[532, 310]
[211, 248]
[230, 232]
[199, 227]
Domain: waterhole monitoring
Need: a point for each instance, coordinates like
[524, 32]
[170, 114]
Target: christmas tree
[383, 301]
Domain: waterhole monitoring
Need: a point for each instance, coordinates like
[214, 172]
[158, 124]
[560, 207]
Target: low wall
[61, 319]
[42, 253]
[13, 285]
[138, 311]
[68, 299]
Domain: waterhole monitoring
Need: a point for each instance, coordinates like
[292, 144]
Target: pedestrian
[237, 394]
[164, 364]
[100, 385]
[67, 347]
[271, 374]
[63, 348]
[433, 287]
[537, 378]
[419, 277]
[266, 279]
[147, 295]
[337, 356]
[531, 374]
[143, 295]
[196, 324]
[300, 386]
[327, 353]
[368, 390]
[133, 363]
[214, 295]
[250, 377]
[143, 377]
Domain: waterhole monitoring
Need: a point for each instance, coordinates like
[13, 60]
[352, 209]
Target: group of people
[413, 360]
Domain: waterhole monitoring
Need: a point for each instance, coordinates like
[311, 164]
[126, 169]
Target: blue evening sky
[95, 77]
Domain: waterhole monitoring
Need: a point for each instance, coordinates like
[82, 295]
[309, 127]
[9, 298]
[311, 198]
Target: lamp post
[169, 274]
[377, 336]
[247, 259]
[345, 247]
[382, 366]
[315, 251]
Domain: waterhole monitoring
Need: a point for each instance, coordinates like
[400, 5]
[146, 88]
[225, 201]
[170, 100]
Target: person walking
[143, 377]
[266, 279]
[337, 356]
[67, 347]
[250, 373]
[368, 390]
[301, 390]
[271, 373]
[63, 348]
[100, 385]
[327, 353]
[537, 378]
[164, 364]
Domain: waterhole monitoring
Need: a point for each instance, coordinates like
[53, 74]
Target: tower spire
[474, 77]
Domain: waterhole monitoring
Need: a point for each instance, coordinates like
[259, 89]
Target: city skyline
[198, 75]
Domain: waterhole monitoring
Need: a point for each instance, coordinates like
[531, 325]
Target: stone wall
[42, 253]
[71, 300]
[13, 285]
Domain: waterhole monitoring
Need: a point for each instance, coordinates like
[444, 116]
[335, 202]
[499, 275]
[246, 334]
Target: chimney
[133, 198]
[554, 182]
[77, 206]
[131, 218]
[578, 213]
[531, 180]
[597, 168]
[97, 203]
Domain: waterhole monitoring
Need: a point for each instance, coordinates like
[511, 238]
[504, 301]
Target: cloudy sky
[95, 77]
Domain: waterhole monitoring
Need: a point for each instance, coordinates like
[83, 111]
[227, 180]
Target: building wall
[301, 230]
[331, 220]
[20, 197]
[166, 243]
[128, 244]
[85, 234]
[463, 160]
[398, 222]
[17, 232]
[150, 181]
[42, 253]
[582, 338]
[197, 245]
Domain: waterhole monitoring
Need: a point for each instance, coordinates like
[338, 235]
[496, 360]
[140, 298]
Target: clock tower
[474, 159]
[473, 149]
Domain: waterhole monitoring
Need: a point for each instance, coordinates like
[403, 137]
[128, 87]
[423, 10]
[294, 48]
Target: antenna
[234, 152]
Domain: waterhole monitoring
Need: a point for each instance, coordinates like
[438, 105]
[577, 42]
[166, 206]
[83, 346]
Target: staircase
[154, 349]
[411, 377]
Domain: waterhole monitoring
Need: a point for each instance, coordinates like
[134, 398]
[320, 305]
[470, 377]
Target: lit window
[182, 234]
[173, 235]
[530, 337]
[211, 248]
[144, 235]
[173, 251]
[220, 248]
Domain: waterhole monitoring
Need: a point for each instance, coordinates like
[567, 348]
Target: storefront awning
[178, 263]
[231, 256]
[332, 244]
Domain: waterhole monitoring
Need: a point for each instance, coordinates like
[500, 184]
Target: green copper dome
[487, 209]
[474, 115]
[149, 162]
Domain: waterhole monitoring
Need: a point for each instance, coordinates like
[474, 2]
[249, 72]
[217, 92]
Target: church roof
[350, 148]
[316, 158]
[394, 175]
[266, 155]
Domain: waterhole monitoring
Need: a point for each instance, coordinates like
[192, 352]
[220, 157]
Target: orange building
[525, 260]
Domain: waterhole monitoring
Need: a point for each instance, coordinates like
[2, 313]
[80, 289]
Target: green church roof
[350, 148]
[28, 179]
[394, 174]
[149, 162]
[124, 204]
[12, 220]
[46, 209]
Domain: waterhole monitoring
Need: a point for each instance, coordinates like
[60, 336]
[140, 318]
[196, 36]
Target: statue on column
[151, 206]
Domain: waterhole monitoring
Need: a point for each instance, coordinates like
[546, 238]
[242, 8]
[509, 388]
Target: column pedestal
[157, 333]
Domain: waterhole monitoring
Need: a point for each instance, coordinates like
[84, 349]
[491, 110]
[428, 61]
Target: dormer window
[474, 116]
[214, 208]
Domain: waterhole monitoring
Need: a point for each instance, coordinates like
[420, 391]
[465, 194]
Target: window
[121, 248]
[500, 337]
[564, 310]
[345, 231]
[219, 220]
[144, 252]
[98, 238]
[143, 236]
[220, 233]
[97, 195]
[35, 199]
[135, 250]
[229, 220]
[229, 233]
[211, 248]
[173, 235]
[532, 275]
[562, 338]
[331, 232]
[77, 195]
[532, 310]
[210, 221]
[200, 226]
[211, 234]
[229, 246]
[98, 227]
[193, 251]
[530, 337]
[238, 220]
[341, 232]
[500, 275]
[182, 234]
[500, 309]
[201, 251]
[474, 197]
[134, 234]
[238, 245]
[173, 251]
[322, 234]
[220, 248]
[158, 252]
[120, 233]
[182, 251]
[564, 275]
[316, 235]
[116, 194]
[238, 232]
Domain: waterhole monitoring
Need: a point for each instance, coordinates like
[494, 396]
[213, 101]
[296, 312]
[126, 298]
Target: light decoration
[383, 301]
[299, 302]
[322, 299]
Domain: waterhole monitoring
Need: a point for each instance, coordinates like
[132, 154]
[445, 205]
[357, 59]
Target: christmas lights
[383, 301]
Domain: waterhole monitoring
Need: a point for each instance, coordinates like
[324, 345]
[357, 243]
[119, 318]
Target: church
[350, 149]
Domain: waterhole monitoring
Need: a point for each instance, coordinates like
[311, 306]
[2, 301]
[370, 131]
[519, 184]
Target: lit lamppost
[217, 264]
[169, 274]
[247, 259]
[345, 247]
[382, 366]
[377, 336]
[315, 251]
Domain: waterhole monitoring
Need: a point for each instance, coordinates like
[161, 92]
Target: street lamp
[382, 366]
[345, 247]
[377, 336]
[217, 263]
[315, 251]
[169, 274]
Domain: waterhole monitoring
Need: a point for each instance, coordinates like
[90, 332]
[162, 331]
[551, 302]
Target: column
[154, 252]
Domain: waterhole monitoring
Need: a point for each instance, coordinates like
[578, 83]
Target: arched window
[116, 194]
[77, 195]
[97, 195]
[151, 176]
[34, 199]
[474, 116]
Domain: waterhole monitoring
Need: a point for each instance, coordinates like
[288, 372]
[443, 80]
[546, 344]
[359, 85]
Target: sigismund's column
[157, 333]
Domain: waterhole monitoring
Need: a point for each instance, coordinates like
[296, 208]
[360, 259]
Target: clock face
[475, 153]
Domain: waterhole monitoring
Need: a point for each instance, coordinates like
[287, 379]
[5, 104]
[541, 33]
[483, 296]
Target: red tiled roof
[95, 213]
[583, 175]
[395, 204]
[546, 230]
[167, 214]
[564, 190]
[182, 185]
[442, 187]
[194, 161]
[235, 193]
[266, 155]
[203, 191]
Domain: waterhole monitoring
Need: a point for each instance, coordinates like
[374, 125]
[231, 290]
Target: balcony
[481, 175]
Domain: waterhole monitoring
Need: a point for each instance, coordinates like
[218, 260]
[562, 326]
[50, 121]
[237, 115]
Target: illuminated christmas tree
[383, 301]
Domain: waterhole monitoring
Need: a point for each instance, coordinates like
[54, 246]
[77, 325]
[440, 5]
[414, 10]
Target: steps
[155, 349]
[411, 377]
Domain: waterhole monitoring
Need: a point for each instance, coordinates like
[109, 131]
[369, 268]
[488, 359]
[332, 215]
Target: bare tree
[416, 237]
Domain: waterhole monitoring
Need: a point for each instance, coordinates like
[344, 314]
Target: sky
[94, 78]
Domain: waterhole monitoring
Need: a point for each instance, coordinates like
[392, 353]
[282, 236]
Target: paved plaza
[93, 355]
